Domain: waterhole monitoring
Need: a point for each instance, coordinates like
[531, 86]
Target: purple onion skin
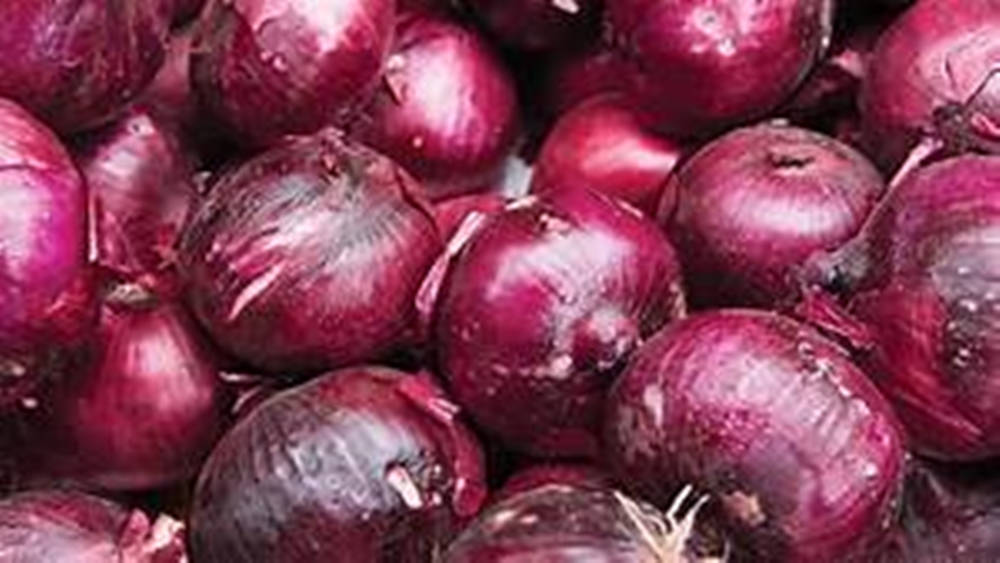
[364, 464]
[600, 145]
[78, 63]
[540, 309]
[43, 228]
[926, 289]
[309, 256]
[450, 213]
[140, 178]
[539, 24]
[447, 108]
[800, 452]
[747, 211]
[923, 75]
[545, 474]
[696, 67]
[573, 78]
[269, 68]
[170, 94]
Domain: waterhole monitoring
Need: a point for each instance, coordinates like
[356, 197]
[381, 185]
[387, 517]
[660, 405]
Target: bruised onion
[268, 68]
[309, 256]
[364, 464]
[76, 64]
[450, 213]
[801, 454]
[571, 79]
[539, 24]
[695, 67]
[601, 146]
[43, 214]
[933, 73]
[750, 208]
[447, 109]
[542, 306]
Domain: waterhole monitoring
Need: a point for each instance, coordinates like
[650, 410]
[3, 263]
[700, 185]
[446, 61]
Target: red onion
[933, 73]
[450, 213]
[267, 68]
[571, 79]
[309, 256]
[447, 109]
[696, 67]
[539, 24]
[600, 145]
[545, 474]
[51, 525]
[76, 64]
[542, 306]
[169, 94]
[43, 229]
[140, 181]
[364, 464]
[753, 205]
[801, 454]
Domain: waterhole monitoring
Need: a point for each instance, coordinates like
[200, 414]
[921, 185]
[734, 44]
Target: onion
[571, 79]
[51, 525]
[79, 63]
[542, 306]
[696, 67]
[450, 213]
[569, 474]
[364, 464]
[539, 24]
[447, 109]
[169, 94]
[140, 183]
[267, 68]
[43, 230]
[801, 454]
[309, 256]
[933, 74]
[600, 145]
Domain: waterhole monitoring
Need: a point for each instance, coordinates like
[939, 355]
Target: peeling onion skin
[43, 228]
[540, 309]
[447, 108]
[309, 256]
[925, 272]
[801, 453]
[697, 67]
[749, 209]
[930, 62]
[364, 464]
[451, 212]
[269, 68]
[79, 63]
[600, 145]
[539, 24]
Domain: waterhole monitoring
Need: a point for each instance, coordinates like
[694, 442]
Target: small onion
[601, 146]
[933, 72]
[76, 64]
[447, 109]
[309, 256]
[539, 24]
[268, 68]
[801, 454]
[695, 67]
[542, 306]
[751, 207]
[364, 464]
[571, 79]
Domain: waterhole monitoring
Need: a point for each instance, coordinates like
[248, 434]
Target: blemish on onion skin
[402, 482]
[745, 506]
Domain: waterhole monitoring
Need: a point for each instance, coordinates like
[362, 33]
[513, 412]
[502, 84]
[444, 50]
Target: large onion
[539, 24]
[365, 464]
[267, 68]
[309, 256]
[800, 452]
[542, 306]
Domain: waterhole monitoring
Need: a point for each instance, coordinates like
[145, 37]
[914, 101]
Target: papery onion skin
[600, 145]
[266, 69]
[79, 63]
[446, 109]
[748, 210]
[43, 228]
[364, 464]
[309, 256]
[696, 67]
[139, 174]
[539, 24]
[541, 307]
[545, 474]
[570, 79]
[926, 66]
[801, 453]
[925, 269]
[450, 213]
